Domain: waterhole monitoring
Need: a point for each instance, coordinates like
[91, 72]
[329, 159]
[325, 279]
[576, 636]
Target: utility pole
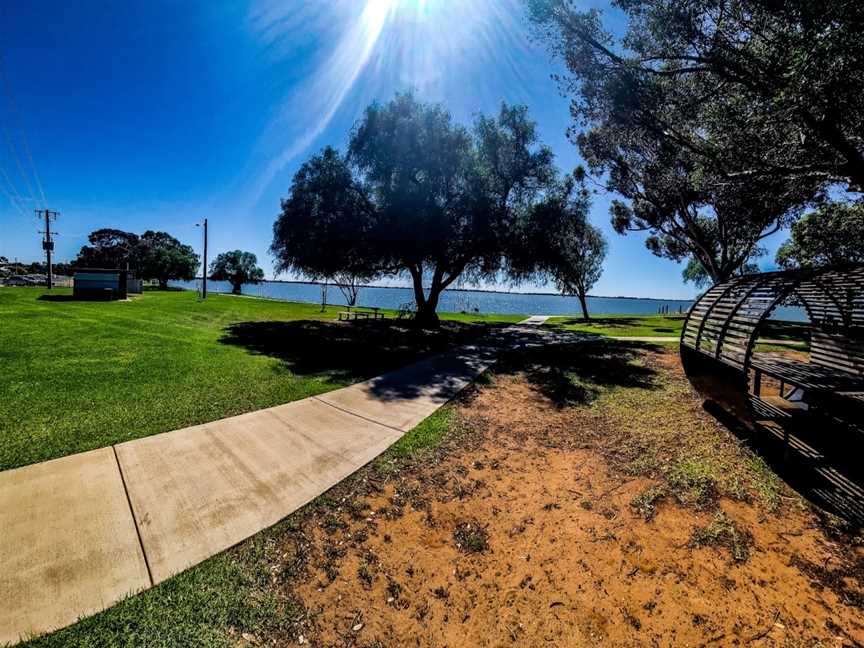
[47, 242]
[204, 270]
[204, 284]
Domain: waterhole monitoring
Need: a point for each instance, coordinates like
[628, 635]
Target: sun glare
[375, 15]
[386, 45]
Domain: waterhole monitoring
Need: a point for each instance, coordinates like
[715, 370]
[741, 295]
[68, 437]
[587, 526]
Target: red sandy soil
[523, 534]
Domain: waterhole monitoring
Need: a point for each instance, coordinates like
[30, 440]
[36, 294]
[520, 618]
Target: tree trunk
[163, 284]
[584, 303]
[236, 288]
[426, 317]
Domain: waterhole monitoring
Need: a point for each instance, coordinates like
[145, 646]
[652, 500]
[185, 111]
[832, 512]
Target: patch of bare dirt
[546, 528]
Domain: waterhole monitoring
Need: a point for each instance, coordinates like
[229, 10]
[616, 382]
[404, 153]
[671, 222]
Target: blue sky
[154, 115]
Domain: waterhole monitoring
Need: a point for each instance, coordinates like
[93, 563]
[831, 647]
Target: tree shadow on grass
[347, 351]
[780, 330]
[56, 298]
[611, 322]
[578, 373]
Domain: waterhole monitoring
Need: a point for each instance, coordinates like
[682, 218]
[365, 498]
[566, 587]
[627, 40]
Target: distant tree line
[35, 267]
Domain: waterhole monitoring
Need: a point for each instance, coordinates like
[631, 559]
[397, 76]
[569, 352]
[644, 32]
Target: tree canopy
[237, 268]
[110, 248]
[833, 235]
[416, 194]
[557, 242]
[153, 255]
[717, 121]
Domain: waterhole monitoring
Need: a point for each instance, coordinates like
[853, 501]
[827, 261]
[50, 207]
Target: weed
[333, 523]
[723, 532]
[471, 537]
[357, 509]
[693, 480]
[646, 502]
[440, 593]
[394, 589]
[366, 576]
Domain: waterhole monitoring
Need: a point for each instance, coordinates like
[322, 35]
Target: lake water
[457, 301]
[454, 301]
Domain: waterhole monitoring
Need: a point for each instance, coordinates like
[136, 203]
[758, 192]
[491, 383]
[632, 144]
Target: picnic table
[369, 312]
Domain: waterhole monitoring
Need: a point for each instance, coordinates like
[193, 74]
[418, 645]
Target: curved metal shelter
[728, 319]
[802, 400]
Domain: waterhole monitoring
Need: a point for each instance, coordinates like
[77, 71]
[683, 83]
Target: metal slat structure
[726, 321]
[819, 399]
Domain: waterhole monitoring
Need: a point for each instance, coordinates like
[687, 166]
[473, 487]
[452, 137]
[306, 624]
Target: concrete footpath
[78, 534]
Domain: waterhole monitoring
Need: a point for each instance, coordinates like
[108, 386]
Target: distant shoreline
[483, 290]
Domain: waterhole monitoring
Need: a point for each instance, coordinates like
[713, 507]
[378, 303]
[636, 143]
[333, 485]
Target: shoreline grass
[623, 325]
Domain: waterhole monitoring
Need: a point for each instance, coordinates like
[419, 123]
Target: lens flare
[383, 46]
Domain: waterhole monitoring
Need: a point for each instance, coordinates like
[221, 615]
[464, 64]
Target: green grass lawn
[793, 335]
[83, 375]
[623, 325]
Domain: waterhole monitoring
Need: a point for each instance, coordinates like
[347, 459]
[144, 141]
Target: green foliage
[833, 235]
[326, 222]
[716, 121]
[163, 257]
[695, 273]
[153, 255]
[236, 267]
[417, 195]
[110, 248]
[724, 532]
[645, 503]
[426, 436]
[556, 240]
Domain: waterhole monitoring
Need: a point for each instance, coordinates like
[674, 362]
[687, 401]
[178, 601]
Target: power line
[14, 197]
[10, 145]
[16, 116]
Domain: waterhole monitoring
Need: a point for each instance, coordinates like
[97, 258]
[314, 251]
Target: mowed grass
[786, 335]
[623, 325]
[83, 375]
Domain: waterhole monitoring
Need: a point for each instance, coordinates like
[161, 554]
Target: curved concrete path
[78, 534]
